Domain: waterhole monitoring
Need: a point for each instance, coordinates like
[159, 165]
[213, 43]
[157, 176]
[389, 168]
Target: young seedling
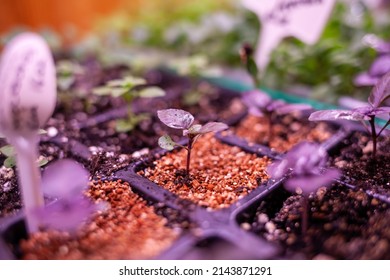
[10, 154]
[129, 89]
[67, 71]
[65, 180]
[10, 157]
[180, 119]
[261, 104]
[194, 67]
[305, 165]
[246, 55]
[366, 114]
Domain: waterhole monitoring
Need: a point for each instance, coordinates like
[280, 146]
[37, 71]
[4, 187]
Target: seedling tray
[212, 234]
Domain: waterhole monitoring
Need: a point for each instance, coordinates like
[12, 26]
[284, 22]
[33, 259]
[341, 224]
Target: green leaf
[151, 92]
[42, 162]
[116, 83]
[116, 92]
[102, 91]
[194, 130]
[252, 67]
[124, 125]
[192, 97]
[131, 81]
[166, 143]
[7, 150]
[10, 162]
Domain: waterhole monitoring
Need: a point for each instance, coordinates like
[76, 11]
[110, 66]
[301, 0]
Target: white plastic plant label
[303, 19]
[28, 97]
[28, 85]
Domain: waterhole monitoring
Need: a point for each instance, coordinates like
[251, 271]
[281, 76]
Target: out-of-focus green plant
[194, 67]
[129, 88]
[328, 68]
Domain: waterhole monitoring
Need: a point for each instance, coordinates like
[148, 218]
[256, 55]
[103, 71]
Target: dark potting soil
[10, 196]
[360, 168]
[342, 224]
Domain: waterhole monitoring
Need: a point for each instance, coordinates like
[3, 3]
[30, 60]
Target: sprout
[65, 180]
[180, 119]
[10, 157]
[365, 114]
[66, 73]
[261, 104]
[129, 88]
[305, 164]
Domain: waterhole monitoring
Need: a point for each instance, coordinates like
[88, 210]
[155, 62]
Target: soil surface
[219, 174]
[287, 131]
[130, 229]
[10, 196]
[343, 224]
[359, 166]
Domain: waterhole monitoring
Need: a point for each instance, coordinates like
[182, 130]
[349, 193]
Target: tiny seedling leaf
[176, 118]
[64, 178]
[7, 150]
[10, 162]
[329, 115]
[42, 162]
[151, 92]
[102, 91]
[380, 92]
[124, 125]
[213, 127]
[194, 130]
[166, 143]
[311, 183]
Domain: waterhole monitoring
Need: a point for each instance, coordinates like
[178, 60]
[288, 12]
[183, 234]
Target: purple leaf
[66, 214]
[330, 115]
[64, 178]
[380, 92]
[213, 127]
[311, 183]
[364, 79]
[371, 111]
[275, 105]
[255, 112]
[304, 158]
[382, 46]
[176, 118]
[256, 99]
[380, 66]
[289, 108]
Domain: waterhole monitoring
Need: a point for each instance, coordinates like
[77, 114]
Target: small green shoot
[129, 88]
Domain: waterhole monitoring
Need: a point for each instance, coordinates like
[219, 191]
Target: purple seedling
[365, 114]
[65, 180]
[180, 119]
[305, 166]
[261, 104]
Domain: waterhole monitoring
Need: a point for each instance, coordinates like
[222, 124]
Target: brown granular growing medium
[220, 174]
[130, 229]
[287, 132]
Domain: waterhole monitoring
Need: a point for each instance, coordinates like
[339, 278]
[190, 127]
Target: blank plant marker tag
[303, 19]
